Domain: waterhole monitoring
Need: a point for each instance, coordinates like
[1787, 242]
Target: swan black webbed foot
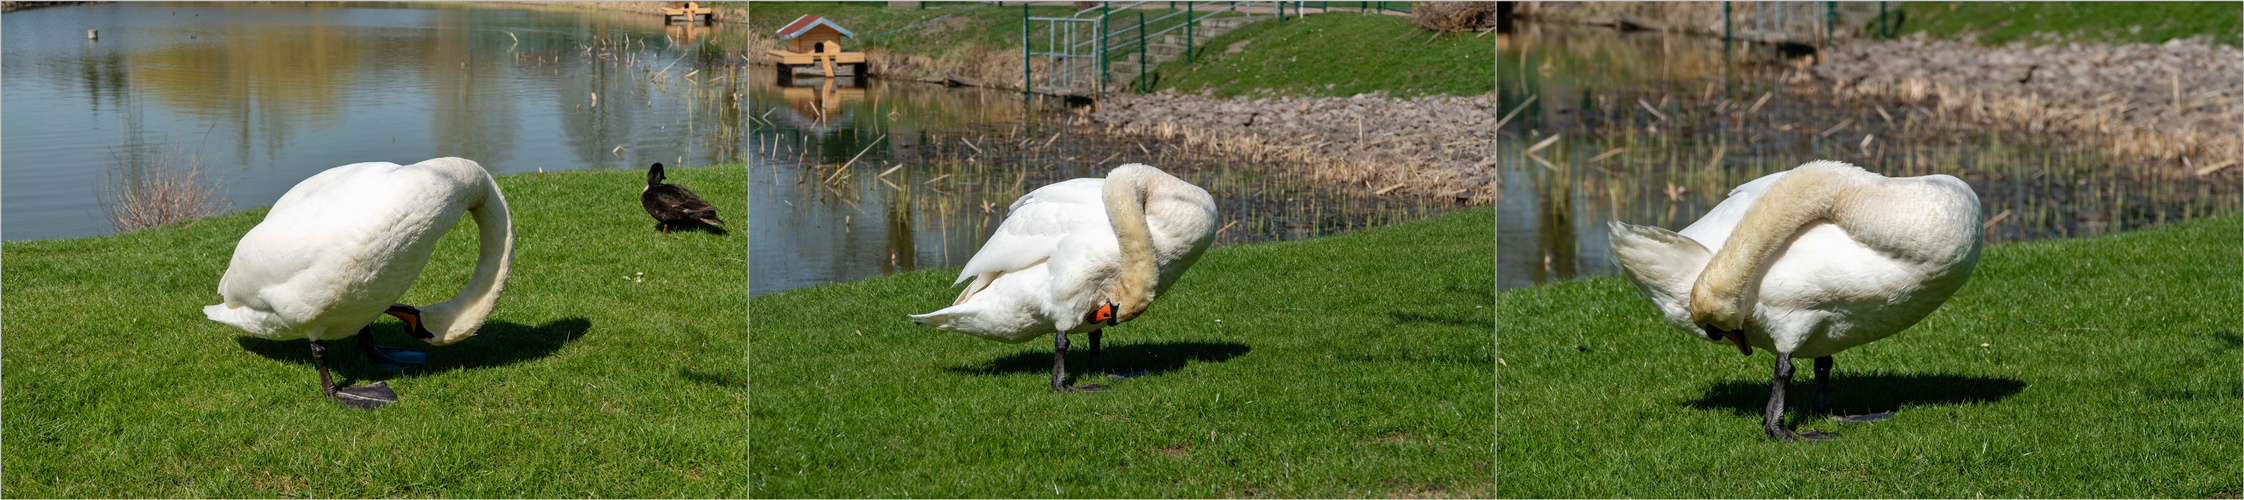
[363, 397]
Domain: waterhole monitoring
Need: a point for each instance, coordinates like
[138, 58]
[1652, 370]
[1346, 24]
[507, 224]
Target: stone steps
[1123, 72]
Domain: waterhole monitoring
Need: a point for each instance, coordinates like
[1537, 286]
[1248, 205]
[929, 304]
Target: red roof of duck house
[803, 24]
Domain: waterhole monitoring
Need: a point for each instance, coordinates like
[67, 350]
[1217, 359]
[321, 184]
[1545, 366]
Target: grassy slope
[2145, 406]
[1340, 55]
[1377, 385]
[584, 383]
[1998, 23]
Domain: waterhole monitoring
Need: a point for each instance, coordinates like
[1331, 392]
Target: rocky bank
[1433, 146]
[2174, 105]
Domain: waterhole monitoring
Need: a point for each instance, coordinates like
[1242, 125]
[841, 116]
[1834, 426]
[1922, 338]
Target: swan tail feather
[258, 323]
[1662, 264]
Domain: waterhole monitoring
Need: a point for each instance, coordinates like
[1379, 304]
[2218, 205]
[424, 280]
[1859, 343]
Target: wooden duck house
[688, 12]
[813, 40]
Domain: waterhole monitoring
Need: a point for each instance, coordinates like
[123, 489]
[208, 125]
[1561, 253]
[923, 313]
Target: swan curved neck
[457, 319]
[1125, 199]
[1726, 290]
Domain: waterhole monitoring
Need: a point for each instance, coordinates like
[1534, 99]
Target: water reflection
[858, 181]
[269, 94]
[1652, 129]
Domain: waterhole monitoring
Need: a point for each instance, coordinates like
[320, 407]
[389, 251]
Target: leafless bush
[153, 185]
[1454, 16]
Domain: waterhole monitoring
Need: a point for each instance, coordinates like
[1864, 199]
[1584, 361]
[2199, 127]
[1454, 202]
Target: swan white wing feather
[1714, 228]
[1035, 225]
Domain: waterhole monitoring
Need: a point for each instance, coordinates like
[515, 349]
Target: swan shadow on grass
[498, 343]
[1151, 358]
[1859, 394]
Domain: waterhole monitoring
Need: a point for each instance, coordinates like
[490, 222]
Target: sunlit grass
[612, 366]
[1998, 23]
[2103, 367]
[1339, 55]
[1353, 365]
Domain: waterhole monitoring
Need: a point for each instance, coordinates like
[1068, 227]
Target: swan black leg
[1822, 386]
[1059, 362]
[1772, 418]
[364, 397]
[319, 359]
[394, 358]
[1095, 368]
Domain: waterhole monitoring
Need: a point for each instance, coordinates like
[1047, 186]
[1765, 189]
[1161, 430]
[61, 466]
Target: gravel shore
[1434, 146]
[2173, 105]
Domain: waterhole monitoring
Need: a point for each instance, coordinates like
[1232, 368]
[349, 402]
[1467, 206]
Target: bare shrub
[152, 185]
[1454, 16]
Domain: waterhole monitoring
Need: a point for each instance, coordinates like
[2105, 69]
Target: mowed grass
[1338, 55]
[2100, 368]
[584, 383]
[1998, 23]
[1356, 365]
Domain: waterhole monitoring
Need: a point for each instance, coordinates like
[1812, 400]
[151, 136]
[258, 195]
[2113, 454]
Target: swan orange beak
[412, 318]
[1104, 314]
[1739, 339]
[1736, 337]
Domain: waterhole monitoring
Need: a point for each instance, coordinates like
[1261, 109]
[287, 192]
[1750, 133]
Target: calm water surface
[1615, 158]
[269, 94]
[855, 181]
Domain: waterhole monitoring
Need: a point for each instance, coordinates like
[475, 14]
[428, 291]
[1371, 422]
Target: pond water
[268, 94]
[1655, 129]
[866, 178]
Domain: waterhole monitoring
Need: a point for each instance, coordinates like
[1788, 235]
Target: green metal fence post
[1100, 45]
[1188, 33]
[1882, 20]
[1141, 52]
[1025, 81]
[1725, 29]
[1830, 20]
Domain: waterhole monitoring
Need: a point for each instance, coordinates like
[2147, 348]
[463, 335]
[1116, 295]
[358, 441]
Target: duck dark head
[654, 175]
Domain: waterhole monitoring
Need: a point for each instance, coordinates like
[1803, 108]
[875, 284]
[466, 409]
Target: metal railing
[1072, 55]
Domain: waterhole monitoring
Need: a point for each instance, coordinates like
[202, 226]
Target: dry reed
[157, 185]
[1454, 16]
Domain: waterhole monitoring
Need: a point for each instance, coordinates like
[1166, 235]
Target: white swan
[1808, 263]
[339, 249]
[1078, 256]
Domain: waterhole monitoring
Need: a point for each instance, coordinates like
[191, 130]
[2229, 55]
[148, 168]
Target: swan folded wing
[1713, 229]
[1035, 226]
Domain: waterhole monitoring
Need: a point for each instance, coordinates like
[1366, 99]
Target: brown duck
[672, 204]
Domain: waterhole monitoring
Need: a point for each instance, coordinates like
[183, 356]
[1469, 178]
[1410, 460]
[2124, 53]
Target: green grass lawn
[1356, 365]
[584, 383]
[1338, 55]
[1998, 23]
[2104, 367]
